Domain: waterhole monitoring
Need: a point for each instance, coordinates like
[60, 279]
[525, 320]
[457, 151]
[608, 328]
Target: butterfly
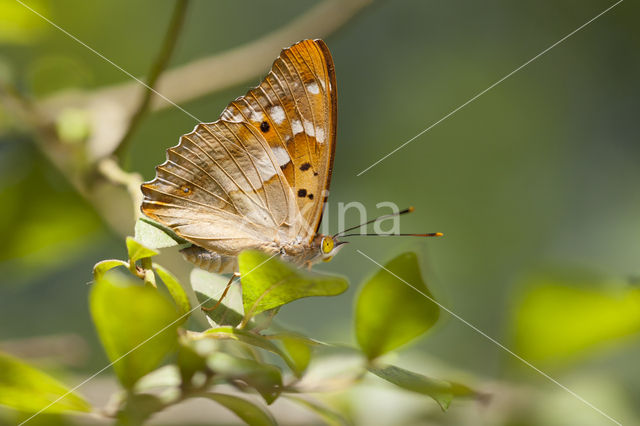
[258, 177]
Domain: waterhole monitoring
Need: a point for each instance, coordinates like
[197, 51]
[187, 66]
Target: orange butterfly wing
[295, 108]
[258, 176]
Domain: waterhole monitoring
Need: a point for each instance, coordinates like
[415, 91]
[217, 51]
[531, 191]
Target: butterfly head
[328, 246]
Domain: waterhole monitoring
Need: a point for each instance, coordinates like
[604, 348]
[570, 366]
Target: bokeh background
[534, 184]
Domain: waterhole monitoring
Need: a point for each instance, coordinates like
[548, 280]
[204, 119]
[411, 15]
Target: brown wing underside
[258, 174]
[219, 187]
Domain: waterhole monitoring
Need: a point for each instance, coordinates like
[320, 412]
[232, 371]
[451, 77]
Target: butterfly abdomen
[210, 261]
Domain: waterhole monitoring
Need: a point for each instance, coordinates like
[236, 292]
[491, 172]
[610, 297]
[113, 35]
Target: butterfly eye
[327, 245]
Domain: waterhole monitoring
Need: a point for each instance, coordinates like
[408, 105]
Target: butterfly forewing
[257, 177]
[295, 109]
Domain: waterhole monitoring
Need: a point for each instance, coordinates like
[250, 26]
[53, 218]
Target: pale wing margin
[320, 91]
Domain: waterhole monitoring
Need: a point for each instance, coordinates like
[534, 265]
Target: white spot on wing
[313, 88]
[257, 116]
[296, 127]
[308, 128]
[235, 117]
[277, 114]
[320, 134]
[281, 155]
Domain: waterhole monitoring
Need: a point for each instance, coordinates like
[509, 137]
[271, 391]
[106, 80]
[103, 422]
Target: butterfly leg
[224, 293]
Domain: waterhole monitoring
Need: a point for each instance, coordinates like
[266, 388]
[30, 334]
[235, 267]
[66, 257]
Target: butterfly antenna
[386, 216]
[432, 234]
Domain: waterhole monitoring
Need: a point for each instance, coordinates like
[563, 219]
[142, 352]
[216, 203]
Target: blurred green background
[534, 184]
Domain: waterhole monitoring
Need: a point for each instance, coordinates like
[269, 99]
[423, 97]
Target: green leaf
[208, 287]
[249, 412]
[167, 376]
[136, 325]
[153, 235]
[299, 349]
[389, 312]
[102, 267]
[264, 378]
[441, 391]
[176, 290]
[329, 416]
[189, 361]
[25, 388]
[252, 339]
[268, 282]
[137, 251]
[556, 322]
[137, 408]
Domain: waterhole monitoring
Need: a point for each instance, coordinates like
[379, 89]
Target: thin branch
[170, 40]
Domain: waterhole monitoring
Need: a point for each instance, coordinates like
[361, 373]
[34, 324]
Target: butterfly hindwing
[219, 184]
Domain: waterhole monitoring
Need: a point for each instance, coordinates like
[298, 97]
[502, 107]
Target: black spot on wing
[302, 193]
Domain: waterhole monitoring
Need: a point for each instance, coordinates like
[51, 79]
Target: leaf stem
[168, 46]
